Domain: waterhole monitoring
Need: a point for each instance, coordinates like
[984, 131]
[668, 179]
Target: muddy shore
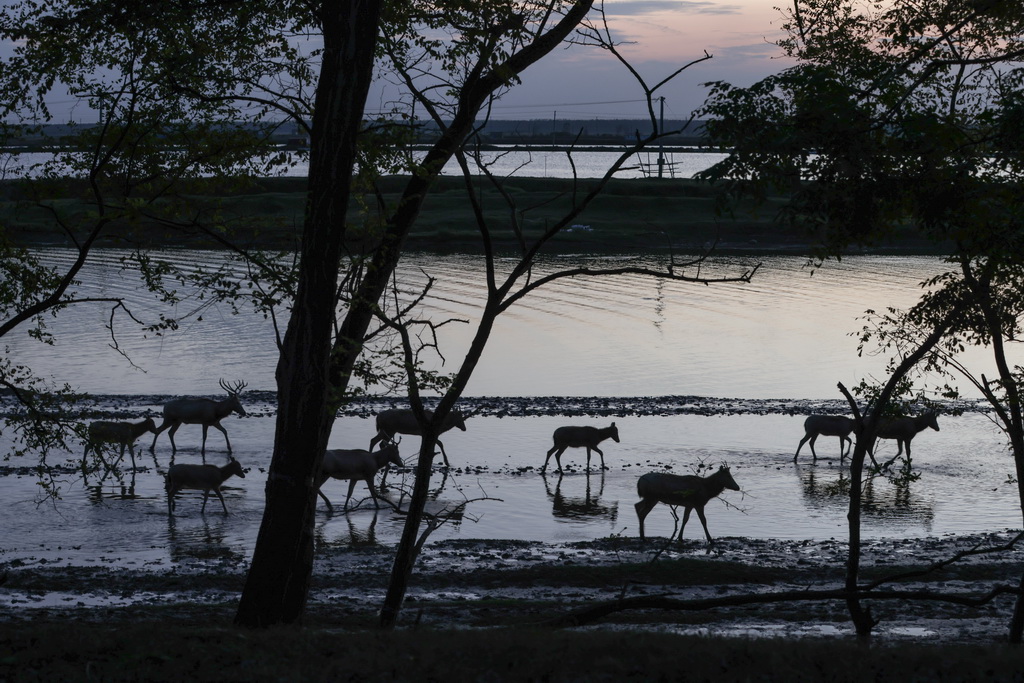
[478, 583]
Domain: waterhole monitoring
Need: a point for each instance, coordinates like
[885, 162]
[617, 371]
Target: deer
[403, 421]
[202, 411]
[904, 429]
[827, 425]
[356, 465]
[204, 478]
[121, 433]
[580, 437]
[690, 491]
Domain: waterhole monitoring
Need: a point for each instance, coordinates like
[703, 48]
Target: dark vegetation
[634, 215]
[58, 650]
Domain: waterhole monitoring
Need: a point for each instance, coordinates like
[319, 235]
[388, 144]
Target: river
[693, 376]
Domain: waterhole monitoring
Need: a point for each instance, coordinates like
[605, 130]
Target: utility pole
[661, 144]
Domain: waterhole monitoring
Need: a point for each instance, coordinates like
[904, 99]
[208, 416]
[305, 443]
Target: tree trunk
[405, 557]
[476, 92]
[1010, 413]
[861, 616]
[278, 580]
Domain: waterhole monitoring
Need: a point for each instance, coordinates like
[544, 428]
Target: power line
[567, 104]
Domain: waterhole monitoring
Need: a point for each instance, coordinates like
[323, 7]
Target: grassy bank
[640, 215]
[206, 649]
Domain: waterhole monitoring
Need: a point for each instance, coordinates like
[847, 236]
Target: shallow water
[962, 489]
[784, 336]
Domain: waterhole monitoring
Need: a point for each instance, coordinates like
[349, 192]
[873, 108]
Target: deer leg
[99, 454]
[222, 431]
[131, 449]
[599, 452]
[843, 449]
[550, 453]
[380, 437]
[319, 491]
[170, 435]
[801, 445]
[814, 437]
[86, 453]
[443, 454]
[704, 522]
[588, 458]
[686, 518]
[351, 488]
[373, 491]
[558, 458]
[221, 496]
[206, 495]
[642, 509]
[330, 507]
[156, 435]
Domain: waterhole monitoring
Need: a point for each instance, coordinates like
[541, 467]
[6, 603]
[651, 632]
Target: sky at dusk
[589, 83]
[667, 34]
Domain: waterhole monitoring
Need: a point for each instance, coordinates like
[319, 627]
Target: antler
[235, 388]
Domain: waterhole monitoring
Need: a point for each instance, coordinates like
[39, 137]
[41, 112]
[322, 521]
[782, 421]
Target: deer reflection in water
[200, 539]
[121, 490]
[356, 535]
[883, 500]
[577, 508]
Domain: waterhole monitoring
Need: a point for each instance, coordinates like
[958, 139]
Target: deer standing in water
[204, 478]
[403, 421]
[580, 437]
[827, 425]
[356, 465]
[201, 411]
[904, 429]
[690, 491]
[120, 433]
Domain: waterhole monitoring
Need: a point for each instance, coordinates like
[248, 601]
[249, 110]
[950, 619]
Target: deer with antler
[201, 411]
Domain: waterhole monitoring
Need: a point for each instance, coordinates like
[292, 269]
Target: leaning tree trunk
[1010, 412]
[860, 615]
[405, 557]
[278, 580]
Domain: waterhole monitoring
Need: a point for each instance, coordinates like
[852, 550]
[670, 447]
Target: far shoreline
[631, 216]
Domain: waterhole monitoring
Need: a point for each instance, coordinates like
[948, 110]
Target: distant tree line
[537, 131]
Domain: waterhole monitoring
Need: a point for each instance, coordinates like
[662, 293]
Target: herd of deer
[692, 492]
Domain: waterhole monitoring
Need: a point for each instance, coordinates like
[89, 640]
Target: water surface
[785, 336]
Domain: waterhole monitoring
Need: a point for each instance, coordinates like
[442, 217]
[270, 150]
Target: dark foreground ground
[487, 610]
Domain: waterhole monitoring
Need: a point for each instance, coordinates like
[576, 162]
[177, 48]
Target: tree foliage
[188, 94]
[900, 118]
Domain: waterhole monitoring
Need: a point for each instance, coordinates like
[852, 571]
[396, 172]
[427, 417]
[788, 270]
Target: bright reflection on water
[535, 164]
[785, 335]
